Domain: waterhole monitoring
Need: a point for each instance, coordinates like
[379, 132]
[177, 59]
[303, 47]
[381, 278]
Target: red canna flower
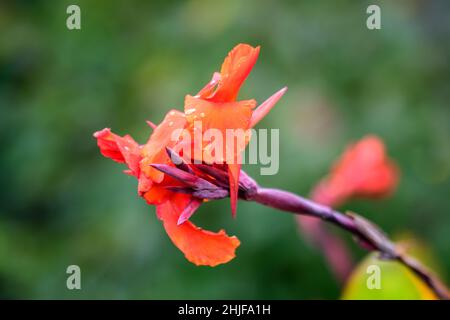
[364, 170]
[199, 246]
[216, 107]
[160, 180]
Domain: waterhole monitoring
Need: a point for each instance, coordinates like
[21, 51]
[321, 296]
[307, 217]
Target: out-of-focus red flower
[216, 107]
[364, 171]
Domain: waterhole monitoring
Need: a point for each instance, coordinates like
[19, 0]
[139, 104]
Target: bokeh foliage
[62, 203]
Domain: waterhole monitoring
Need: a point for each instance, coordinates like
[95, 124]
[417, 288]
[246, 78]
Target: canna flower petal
[216, 107]
[234, 171]
[190, 209]
[175, 188]
[208, 90]
[199, 246]
[223, 116]
[154, 150]
[234, 71]
[120, 149]
[364, 170]
[161, 192]
[144, 184]
[157, 194]
[261, 111]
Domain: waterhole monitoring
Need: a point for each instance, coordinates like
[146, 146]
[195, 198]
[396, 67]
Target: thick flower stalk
[177, 175]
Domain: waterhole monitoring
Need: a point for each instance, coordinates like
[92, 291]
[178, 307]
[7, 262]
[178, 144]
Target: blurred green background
[62, 203]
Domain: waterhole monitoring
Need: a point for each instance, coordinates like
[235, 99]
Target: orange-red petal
[264, 108]
[220, 116]
[223, 117]
[154, 150]
[210, 87]
[199, 246]
[144, 184]
[235, 69]
[120, 149]
[157, 194]
[189, 210]
[234, 171]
